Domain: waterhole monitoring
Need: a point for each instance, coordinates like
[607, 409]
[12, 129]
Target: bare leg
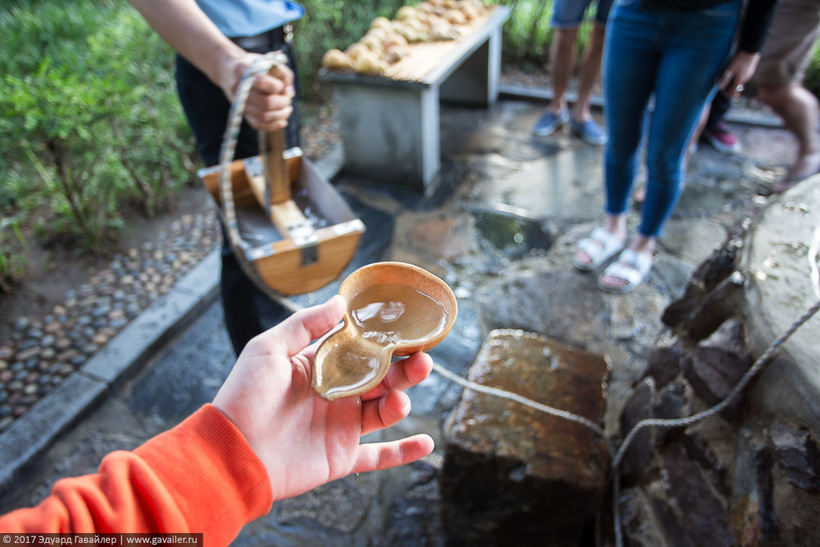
[589, 71]
[799, 110]
[562, 60]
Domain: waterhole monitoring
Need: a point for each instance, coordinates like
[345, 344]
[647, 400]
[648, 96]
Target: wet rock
[415, 516]
[20, 324]
[699, 451]
[718, 306]
[637, 519]
[701, 516]
[718, 363]
[720, 265]
[433, 236]
[558, 316]
[6, 352]
[339, 505]
[760, 460]
[638, 407]
[798, 455]
[664, 359]
[512, 473]
[31, 351]
[669, 403]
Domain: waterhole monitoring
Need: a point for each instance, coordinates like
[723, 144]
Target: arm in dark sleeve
[756, 23]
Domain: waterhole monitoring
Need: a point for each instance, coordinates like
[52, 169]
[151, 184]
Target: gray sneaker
[550, 122]
[589, 131]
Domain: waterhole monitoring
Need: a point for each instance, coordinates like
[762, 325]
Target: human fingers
[262, 120]
[385, 411]
[403, 374]
[269, 84]
[378, 456]
[286, 76]
[305, 325]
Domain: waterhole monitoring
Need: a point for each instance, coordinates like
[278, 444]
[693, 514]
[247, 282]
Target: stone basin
[776, 264]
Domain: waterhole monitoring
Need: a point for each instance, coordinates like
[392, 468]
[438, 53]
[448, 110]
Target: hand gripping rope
[260, 65]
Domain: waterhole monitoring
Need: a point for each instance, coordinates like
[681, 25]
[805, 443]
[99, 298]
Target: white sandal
[600, 246]
[631, 267]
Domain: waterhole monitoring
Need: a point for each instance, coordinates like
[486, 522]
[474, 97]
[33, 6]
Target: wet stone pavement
[500, 230]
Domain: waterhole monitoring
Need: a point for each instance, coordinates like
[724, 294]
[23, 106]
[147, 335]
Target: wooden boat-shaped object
[296, 234]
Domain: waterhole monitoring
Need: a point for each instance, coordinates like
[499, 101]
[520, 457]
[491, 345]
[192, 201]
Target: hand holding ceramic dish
[393, 309]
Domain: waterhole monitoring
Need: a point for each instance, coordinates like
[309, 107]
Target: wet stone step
[513, 473]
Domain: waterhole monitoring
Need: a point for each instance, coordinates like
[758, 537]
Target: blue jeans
[568, 14]
[676, 59]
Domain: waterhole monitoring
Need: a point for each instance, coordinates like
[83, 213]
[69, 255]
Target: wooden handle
[276, 171]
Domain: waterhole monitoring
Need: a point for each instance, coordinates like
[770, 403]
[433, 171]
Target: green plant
[89, 114]
[12, 253]
[56, 120]
[151, 137]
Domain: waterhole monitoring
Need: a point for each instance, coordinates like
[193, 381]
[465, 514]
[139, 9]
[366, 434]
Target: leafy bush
[12, 257]
[89, 114]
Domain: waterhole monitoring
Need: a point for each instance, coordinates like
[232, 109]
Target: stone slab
[511, 470]
[777, 264]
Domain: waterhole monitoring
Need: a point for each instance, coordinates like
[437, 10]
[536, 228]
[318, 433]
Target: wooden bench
[390, 124]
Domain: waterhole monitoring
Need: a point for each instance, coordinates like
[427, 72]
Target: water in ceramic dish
[381, 318]
[396, 314]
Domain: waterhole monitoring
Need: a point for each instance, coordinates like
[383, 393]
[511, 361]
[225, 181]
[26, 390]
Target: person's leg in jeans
[694, 49]
[630, 61]
[689, 68]
[248, 311]
[677, 57]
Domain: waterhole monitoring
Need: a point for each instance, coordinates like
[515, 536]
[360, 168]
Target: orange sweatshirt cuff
[211, 471]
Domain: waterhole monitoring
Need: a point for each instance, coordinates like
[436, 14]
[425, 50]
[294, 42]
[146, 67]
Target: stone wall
[747, 476]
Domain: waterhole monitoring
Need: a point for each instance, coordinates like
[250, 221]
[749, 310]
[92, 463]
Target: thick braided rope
[260, 65]
[761, 362]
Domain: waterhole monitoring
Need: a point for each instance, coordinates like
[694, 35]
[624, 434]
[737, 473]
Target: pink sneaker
[722, 139]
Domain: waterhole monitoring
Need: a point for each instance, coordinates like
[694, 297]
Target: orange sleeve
[199, 477]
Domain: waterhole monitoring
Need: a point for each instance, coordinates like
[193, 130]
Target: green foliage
[12, 248]
[528, 33]
[88, 115]
[812, 79]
